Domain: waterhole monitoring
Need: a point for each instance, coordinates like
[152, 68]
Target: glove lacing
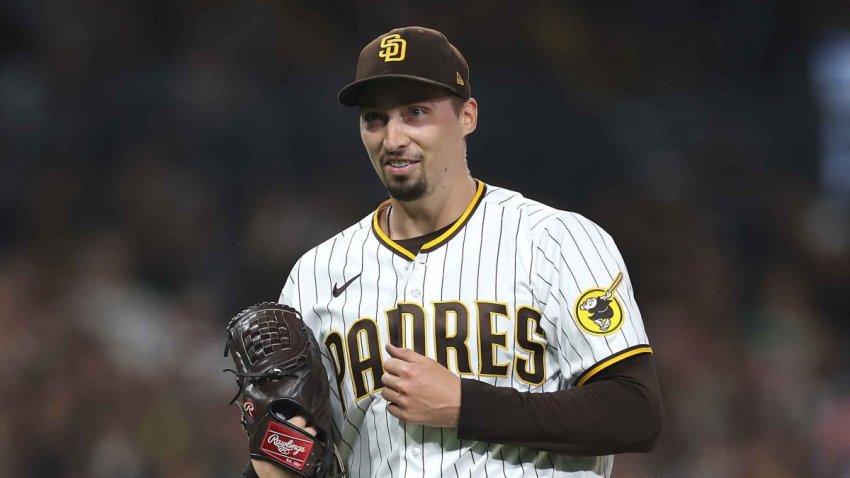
[275, 373]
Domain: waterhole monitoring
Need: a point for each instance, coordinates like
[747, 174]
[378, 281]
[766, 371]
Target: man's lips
[399, 165]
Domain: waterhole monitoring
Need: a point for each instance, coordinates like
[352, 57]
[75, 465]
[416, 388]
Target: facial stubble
[406, 188]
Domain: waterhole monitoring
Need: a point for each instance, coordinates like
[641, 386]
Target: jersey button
[416, 293]
[416, 451]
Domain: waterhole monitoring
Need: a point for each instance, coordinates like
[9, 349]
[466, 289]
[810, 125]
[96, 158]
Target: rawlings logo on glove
[286, 446]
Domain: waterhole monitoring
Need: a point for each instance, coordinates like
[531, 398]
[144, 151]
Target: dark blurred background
[163, 164]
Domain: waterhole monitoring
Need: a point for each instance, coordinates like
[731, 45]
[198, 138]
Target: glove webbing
[267, 334]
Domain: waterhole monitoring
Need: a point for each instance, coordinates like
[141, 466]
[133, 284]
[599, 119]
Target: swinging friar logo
[598, 311]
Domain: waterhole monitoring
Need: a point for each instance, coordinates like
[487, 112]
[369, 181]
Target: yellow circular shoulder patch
[599, 312]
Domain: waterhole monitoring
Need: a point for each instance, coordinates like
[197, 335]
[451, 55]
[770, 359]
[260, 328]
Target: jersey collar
[437, 242]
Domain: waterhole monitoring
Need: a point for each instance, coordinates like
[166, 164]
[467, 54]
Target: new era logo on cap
[413, 53]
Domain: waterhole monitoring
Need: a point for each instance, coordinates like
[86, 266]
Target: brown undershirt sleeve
[616, 411]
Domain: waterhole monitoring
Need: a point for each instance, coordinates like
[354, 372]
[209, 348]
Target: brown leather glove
[280, 375]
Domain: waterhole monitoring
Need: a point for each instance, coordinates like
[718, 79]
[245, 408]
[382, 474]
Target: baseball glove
[280, 375]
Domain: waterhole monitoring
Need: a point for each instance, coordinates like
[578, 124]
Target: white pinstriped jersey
[515, 293]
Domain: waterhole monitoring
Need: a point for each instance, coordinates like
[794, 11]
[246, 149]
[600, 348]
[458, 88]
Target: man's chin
[407, 190]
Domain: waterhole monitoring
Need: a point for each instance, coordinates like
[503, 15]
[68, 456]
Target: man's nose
[396, 137]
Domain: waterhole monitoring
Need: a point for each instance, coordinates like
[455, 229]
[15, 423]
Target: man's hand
[265, 469]
[420, 390]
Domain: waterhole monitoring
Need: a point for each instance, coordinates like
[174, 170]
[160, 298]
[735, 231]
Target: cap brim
[349, 95]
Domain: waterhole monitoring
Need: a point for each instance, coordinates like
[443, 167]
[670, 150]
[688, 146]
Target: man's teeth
[399, 164]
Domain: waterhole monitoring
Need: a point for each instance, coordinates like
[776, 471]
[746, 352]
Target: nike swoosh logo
[339, 290]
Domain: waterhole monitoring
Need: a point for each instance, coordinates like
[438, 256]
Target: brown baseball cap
[415, 53]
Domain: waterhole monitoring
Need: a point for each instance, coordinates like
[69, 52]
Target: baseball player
[466, 329]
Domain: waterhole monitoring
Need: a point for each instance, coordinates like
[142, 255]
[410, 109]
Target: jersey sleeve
[296, 294]
[289, 295]
[586, 294]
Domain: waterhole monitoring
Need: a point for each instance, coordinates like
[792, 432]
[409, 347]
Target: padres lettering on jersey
[516, 294]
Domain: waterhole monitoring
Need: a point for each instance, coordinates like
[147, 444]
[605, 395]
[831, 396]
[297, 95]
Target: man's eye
[370, 117]
[417, 112]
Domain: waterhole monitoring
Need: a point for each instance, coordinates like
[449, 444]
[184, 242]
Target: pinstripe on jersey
[492, 299]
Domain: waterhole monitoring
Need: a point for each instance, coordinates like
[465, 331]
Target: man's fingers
[391, 395]
[298, 421]
[301, 422]
[394, 351]
[396, 411]
[391, 381]
[394, 366]
[405, 355]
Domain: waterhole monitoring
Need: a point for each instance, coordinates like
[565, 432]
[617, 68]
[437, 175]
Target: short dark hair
[457, 104]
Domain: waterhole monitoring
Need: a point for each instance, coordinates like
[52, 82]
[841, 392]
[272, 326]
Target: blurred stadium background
[165, 163]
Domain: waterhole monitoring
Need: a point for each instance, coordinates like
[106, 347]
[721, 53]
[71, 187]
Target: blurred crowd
[165, 163]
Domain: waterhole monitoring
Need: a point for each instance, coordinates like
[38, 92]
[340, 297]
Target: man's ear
[469, 116]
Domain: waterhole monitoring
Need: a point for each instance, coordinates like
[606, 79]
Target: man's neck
[431, 212]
